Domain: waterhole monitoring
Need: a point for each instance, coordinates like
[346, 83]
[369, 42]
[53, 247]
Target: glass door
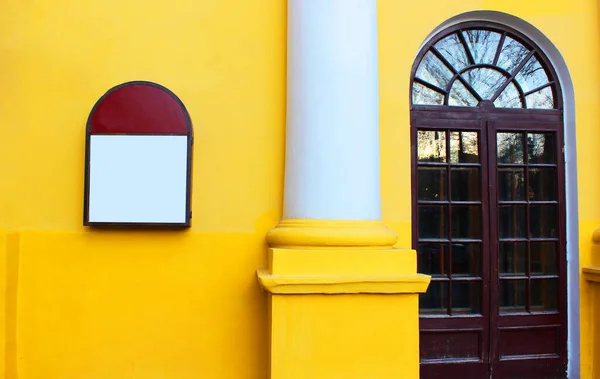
[528, 230]
[453, 240]
[489, 223]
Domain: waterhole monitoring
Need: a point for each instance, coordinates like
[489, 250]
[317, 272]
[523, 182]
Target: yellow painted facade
[88, 303]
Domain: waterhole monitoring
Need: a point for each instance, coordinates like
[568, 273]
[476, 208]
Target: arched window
[483, 63]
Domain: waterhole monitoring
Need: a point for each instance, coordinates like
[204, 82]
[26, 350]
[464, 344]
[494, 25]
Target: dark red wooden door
[528, 286]
[488, 215]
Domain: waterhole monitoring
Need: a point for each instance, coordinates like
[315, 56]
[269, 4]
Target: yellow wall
[100, 304]
[82, 303]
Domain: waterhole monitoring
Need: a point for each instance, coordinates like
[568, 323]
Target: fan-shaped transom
[475, 64]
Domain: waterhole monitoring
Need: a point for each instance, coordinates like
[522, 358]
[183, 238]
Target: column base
[349, 234]
[343, 313]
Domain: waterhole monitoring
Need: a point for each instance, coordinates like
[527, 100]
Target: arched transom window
[468, 66]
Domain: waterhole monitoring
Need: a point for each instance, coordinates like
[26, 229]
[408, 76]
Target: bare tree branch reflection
[483, 46]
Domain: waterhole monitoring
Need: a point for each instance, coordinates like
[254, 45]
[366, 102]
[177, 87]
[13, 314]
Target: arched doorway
[489, 205]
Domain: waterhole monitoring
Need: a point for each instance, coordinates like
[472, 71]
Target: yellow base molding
[331, 271]
[591, 273]
[339, 270]
[416, 283]
[312, 233]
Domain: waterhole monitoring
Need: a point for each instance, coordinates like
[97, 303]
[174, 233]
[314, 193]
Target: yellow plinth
[592, 275]
[343, 312]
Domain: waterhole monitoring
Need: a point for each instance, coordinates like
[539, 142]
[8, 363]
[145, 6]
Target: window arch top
[473, 64]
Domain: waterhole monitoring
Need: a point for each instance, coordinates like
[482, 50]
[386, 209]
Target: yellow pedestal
[592, 275]
[342, 312]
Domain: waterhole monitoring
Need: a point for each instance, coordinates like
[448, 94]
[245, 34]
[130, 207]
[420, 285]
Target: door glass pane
[466, 259]
[511, 221]
[543, 295]
[513, 295]
[540, 148]
[434, 71]
[431, 146]
[466, 297]
[435, 300]
[509, 98]
[532, 75]
[466, 183]
[543, 258]
[432, 183]
[426, 96]
[543, 221]
[483, 44]
[512, 54]
[510, 147]
[464, 147]
[511, 184]
[450, 247]
[452, 49]
[466, 221]
[432, 221]
[485, 81]
[541, 184]
[542, 99]
[433, 258]
[513, 258]
[460, 96]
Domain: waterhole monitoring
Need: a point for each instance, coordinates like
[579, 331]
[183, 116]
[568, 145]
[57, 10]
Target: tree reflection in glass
[510, 147]
[433, 71]
[431, 146]
[483, 44]
[452, 49]
[532, 75]
[509, 98]
[460, 96]
[511, 54]
[468, 66]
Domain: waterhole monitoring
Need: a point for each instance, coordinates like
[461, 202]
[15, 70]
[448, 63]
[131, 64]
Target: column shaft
[332, 152]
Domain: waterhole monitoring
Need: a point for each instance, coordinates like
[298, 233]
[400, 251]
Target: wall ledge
[591, 274]
[333, 284]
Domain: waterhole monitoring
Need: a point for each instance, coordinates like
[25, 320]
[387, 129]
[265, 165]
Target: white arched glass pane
[461, 97]
[453, 50]
[532, 75]
[512, 53]
[483, 45]
[509, 98]
[542, 99]
[426, 96]
[481, 78]
[484, 81]
[434, 71]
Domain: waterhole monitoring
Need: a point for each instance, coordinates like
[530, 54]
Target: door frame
[570, 166]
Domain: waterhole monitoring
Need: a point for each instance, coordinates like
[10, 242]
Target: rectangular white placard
[138, 179]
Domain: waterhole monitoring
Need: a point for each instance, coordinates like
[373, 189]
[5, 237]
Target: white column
[332, 149]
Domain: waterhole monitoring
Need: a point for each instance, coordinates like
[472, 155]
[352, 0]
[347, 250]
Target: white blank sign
[138, 179]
